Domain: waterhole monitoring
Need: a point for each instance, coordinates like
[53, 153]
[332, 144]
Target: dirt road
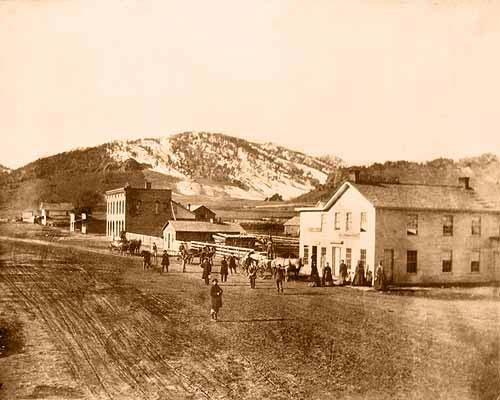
[80, 325]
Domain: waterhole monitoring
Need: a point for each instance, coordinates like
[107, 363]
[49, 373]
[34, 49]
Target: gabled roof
[56, 206]
[201, 226]
[196, 207]
[181, 212]
[294, 221]
[416, 197]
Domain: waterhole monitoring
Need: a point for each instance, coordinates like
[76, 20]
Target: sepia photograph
[266, 199]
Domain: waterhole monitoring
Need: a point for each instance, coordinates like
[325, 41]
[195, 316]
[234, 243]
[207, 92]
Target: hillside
[200, 164]
[483, 170]
[4, 169]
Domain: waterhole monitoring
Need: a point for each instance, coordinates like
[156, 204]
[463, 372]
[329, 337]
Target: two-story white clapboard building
[422, 233]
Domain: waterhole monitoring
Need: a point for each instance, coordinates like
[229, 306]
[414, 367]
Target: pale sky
[365, 80]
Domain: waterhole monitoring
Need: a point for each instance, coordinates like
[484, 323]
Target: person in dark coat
[327, 278]
[279, 277]
[316, 281]
[216, 299]
[223, 269]
[380, 281]
[165, 262]
[369, 277]
[359, 275]
[232, 264]
[252, 275]
[343, 272]
[146, 260]
[205, 264]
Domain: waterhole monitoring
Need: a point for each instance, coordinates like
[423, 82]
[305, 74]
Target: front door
[322, 260]
[335, 260]
[314, 255]
[388, 264]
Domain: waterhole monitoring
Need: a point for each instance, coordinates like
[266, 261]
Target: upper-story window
[363, 223]
[337, 221]
[476, 226]
[448, 225]
[475, 261]
[157, 207]
[138, 205]
[323, 220]
[348, 221]
[412, 224]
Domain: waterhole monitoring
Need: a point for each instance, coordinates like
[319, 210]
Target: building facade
[137, 210]
[422, 234]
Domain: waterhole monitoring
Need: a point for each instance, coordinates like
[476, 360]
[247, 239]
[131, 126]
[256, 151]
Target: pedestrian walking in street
[216, 300]
[146, 260]
[232, 264]
[279, 277]
[205, 264]
[165, 262]
[252, 275]
[223, 269]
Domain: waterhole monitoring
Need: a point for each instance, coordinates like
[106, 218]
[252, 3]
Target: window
[476, 226]
[411, 262]
[157, 207]
[363, 222]
[348, 257]
[323, 220]
[138, 205]
[348, 221]
[475, 261]
[337, 221]
[448, 225]
[446, 258]
[412, 224]
[306, 255]
[362, 257]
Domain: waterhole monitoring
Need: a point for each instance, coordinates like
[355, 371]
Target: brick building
[423, 233]
[141, 211]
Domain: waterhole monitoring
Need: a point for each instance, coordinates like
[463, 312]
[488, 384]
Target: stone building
[424, 234]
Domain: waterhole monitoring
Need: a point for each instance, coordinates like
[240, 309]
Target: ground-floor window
[411, 261]
[475, 261]
[446, 258]
[306, 254]
[348, 257]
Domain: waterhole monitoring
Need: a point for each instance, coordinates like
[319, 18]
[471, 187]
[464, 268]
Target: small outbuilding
[292, 227]
[186, 231]
[202, 212]
[55, 214]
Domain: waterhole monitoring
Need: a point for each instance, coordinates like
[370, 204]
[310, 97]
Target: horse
[292, 266]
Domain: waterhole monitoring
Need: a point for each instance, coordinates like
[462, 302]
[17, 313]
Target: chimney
[147, 185]
[354, 175]
[189, 207]
[464, 182]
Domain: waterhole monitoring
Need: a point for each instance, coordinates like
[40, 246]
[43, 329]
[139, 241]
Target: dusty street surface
[80, 325]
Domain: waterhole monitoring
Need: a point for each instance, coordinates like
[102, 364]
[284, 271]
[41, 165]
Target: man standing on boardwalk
[232, 264]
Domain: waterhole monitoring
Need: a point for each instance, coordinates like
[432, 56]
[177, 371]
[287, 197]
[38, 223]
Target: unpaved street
[80, 325]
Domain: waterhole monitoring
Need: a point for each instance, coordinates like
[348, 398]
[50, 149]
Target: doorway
[389, 264]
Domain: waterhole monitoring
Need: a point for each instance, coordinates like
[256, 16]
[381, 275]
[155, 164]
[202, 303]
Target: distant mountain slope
[204, 164]
[4, 169]
[483, 170]
[207, 163]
